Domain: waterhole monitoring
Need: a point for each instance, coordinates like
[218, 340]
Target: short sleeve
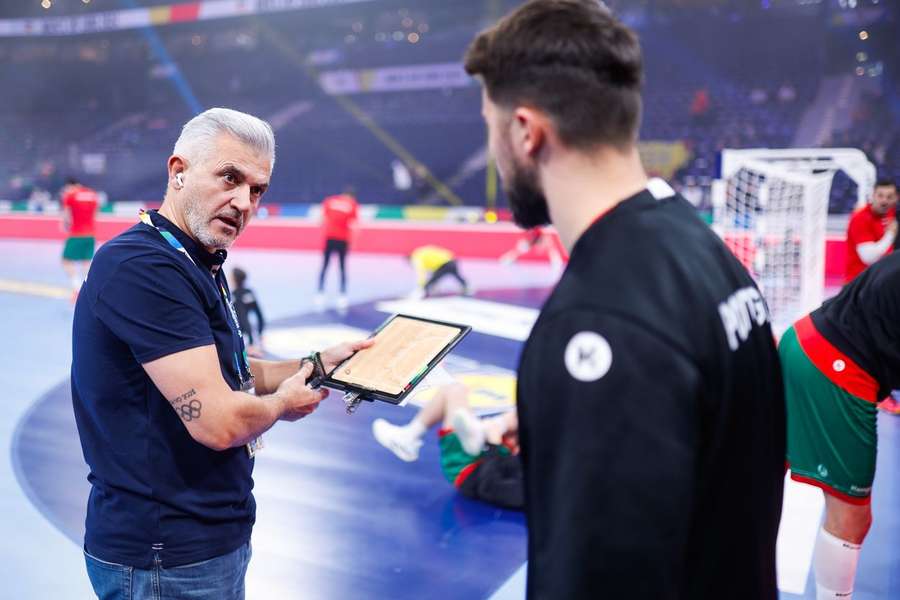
[154, 308]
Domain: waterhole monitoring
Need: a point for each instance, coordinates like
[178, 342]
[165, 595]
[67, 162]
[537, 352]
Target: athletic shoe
[416, 294]
[342, 302]
[890, 405]
[397, 440]
[469, 430]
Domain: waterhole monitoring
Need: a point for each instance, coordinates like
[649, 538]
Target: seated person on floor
[478, 456]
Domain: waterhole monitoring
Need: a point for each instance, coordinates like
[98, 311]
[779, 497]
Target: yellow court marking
[490, 391]
[485, 391]
[30, 288]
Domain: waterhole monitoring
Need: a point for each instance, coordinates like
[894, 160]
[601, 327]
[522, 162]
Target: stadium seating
[130, 104]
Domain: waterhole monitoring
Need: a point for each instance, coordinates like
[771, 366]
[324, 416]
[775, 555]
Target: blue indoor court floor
[339, 517]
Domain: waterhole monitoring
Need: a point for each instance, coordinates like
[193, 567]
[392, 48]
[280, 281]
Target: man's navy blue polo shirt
[155, 489]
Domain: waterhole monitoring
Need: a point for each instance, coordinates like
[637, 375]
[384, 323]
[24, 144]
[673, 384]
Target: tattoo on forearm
[187, 405]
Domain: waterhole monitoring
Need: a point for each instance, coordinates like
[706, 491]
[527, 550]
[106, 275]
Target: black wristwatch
[318, 373]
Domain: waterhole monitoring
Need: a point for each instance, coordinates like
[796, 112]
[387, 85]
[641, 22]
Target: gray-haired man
[168, 406]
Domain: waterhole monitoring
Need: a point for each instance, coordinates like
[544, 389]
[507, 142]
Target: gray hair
[198, 135]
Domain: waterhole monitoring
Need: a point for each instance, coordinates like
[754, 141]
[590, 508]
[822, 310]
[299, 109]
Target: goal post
[852, 161]
[771, 209]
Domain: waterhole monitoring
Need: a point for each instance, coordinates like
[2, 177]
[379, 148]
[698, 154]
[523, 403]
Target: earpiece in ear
[179, 180]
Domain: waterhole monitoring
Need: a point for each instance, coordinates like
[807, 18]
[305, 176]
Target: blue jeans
[219, 578]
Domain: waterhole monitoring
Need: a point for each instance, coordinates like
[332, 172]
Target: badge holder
[253, 446]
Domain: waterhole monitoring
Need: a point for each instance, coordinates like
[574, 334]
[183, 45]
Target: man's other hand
[335, 355]
[298, 399]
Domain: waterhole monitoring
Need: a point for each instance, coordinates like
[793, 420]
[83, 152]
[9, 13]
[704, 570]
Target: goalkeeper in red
[838, 363]
[872, 231]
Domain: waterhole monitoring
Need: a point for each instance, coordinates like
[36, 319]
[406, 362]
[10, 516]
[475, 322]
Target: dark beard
[526, 199]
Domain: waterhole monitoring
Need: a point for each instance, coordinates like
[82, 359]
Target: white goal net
[771, 208]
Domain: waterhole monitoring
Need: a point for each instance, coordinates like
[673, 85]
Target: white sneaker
[469, 430]
[397, 440]
[342, 302]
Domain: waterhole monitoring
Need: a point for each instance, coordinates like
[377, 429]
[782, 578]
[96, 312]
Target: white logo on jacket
[588, 356]
[739, 312]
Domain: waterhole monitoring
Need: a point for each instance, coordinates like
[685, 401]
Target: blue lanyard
[237, 334]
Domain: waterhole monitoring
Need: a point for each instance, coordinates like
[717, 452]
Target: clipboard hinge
[352, 400]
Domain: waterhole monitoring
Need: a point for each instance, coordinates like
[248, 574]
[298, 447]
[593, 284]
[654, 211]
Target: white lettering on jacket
[739, 312]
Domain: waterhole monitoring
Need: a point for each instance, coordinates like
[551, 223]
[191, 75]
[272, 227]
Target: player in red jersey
[79, 205]
[339, 216]
[872, 229]
[535, 238]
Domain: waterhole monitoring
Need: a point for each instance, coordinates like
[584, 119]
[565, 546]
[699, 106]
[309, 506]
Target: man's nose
[241, 199]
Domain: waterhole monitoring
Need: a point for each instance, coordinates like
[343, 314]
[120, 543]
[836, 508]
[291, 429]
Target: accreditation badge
[256, 445]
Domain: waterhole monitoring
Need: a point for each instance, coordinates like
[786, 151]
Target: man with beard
[650, 401]
[872, 230]
[169, 407]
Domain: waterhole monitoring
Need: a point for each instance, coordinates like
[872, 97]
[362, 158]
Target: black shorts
[497, 480]
[332, 245]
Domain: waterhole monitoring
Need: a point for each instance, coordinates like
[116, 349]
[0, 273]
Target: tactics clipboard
[407, 348]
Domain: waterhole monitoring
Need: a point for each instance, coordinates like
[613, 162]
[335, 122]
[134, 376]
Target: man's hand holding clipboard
[389, 365]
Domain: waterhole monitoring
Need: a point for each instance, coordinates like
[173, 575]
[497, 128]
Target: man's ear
[530, 130]
[176, 167]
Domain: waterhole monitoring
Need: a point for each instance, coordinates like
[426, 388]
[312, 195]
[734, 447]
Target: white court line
[800, 518]
[492, 318]
[514, 588]
[286, 342]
